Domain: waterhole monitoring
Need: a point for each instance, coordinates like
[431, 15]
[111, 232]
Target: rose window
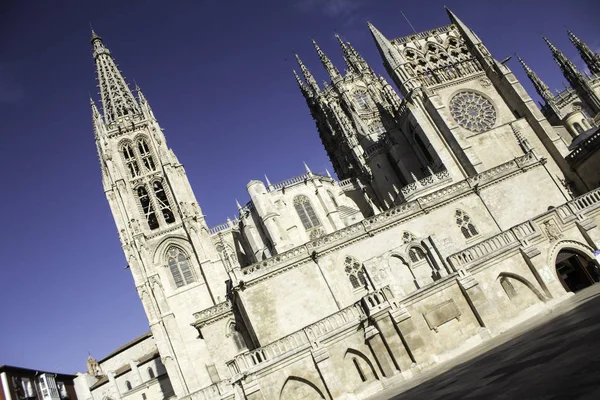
[472, 111]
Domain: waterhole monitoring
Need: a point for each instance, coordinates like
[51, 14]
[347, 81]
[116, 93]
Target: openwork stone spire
[591, 59]
[117, 99]
[310, 79]
[352, 57]
[539, 85]
[568, 69]
[329, 67]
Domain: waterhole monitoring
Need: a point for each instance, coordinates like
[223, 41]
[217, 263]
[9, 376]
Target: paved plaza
[552, 356]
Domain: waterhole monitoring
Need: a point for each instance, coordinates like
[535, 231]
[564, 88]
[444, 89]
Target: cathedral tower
[161, 227]
[363, 126]
[470, 107]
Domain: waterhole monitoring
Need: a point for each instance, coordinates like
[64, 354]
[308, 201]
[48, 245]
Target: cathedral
[462, 209]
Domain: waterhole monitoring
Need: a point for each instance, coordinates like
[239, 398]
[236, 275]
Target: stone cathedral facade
[461, 210]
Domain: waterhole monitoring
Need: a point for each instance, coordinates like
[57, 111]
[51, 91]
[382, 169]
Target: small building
[18, 383]
[133, 371]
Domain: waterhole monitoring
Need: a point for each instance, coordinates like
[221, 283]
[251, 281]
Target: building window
[128, 385]
[179, 265]
[147, 207]
[332, 198]
[377, 128]
[466, 226]
[361, 375]
[146, 156]
[356, 273]
[150, 372]
[163, 202]
[362, 100]
[416, 255]
[306, 212]
[130, 161]
[578, 128]
[472, 111]
[143, 396]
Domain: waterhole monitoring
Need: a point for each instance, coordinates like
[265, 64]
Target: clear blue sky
[218, 76]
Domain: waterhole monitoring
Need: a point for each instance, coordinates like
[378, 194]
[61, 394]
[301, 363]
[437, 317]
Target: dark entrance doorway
[576, 271]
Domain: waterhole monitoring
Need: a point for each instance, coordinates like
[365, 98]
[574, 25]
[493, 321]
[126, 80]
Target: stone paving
[551, 356]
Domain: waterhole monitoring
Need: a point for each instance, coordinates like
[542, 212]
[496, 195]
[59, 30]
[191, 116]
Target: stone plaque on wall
[441, 314]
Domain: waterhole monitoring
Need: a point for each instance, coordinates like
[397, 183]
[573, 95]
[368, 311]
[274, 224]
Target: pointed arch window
[356, 273]
[463, 220]
[416, 255]
[306, 212]
[146, 155]
[151, 373]
[179, 265]
[147, 207]
[332, 198]
[163, 202]
[128, 385]
[130, 161]
[362, 100]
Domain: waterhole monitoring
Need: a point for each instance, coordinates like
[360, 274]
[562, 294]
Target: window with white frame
[306, 212]
[179, 265]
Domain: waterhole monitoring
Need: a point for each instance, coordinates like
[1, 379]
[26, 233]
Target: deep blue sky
[218, 76]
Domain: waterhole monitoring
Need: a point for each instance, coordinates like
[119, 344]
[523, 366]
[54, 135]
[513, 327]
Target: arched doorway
[575, 270]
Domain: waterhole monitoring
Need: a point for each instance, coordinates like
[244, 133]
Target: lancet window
[147, 207]
[306, 212]
[356, 273]
[163, 202]
[179, 265]
[131, 161]
[362, 100]
[146, 155]
[416, 255]
[463, 220]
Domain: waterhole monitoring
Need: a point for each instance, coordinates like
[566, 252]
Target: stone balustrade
[291, 181]
[224, 226]
[296, 341]
[212, 392]
[586, 147]
[422, 35]
[495, 244]
[416, 187]
[588, 200]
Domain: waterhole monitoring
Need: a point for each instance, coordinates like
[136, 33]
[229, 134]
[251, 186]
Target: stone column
[411, 337]
[335, 387]
[379, 351]
[385, 325]
[589, 230]
[482, 308]
[252, 391]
